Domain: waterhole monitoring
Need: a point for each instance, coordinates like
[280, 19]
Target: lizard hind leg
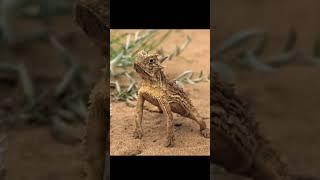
[204, 131]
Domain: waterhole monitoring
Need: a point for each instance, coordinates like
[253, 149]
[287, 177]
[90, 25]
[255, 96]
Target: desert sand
[188, 139]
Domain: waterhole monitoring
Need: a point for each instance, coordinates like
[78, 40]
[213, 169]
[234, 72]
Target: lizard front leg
[165, 107]
[138, 120]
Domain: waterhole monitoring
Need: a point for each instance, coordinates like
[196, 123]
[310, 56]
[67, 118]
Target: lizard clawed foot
[169, 141]
[205, 133]
[137, 134]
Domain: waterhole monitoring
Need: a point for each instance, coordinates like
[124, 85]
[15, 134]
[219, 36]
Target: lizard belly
[178, 108]
[152, 94]
[178, 105]
[151, 99]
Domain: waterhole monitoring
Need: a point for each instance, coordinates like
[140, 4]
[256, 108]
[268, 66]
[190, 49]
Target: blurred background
[47, 68]
[270, 50]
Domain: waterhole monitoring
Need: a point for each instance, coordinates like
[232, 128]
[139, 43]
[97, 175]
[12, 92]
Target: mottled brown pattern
[95, 138]
[93, 17]
[165, 94]
[237, 142]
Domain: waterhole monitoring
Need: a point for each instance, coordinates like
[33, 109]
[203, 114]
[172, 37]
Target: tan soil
[287, 101]
[188, 139]
[34, 155]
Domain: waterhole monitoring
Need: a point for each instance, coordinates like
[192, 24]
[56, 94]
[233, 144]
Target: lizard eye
[151, 60]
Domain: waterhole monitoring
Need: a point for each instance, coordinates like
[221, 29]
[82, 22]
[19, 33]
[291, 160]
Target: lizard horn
[163, 59]
[142, 54]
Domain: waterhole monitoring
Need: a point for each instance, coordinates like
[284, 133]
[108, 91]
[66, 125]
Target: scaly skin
[95, 138]
[93, 17]
[238, 144]
[166, 95]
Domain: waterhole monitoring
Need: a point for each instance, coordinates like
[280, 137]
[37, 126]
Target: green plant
[62, 107]
[123, 50]
[245, 50]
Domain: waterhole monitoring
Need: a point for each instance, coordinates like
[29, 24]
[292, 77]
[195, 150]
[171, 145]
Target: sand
[286, 102]
[188, 139]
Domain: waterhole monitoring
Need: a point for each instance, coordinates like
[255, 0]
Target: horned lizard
[166, 95]
[237, 143]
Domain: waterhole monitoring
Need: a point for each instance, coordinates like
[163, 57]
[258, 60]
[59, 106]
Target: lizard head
[148, 65]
